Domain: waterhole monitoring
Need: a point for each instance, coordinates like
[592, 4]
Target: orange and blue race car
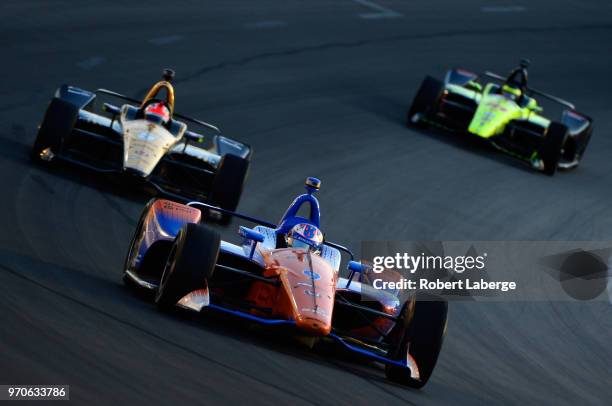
[505, 112]
[284, 274]
[145, 141]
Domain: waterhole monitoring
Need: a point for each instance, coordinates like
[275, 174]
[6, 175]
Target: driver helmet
[305, 236]
[157, 112]
[511, 92]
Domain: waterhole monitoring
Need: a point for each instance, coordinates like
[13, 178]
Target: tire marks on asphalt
[91, 62]
[156, 336]
[379, 12]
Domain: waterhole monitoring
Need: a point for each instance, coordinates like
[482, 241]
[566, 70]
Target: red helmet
[157, 112]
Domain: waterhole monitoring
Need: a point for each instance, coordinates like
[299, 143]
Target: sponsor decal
[316, 310]
[312, 274]
[311, 293]
[486, 117]
[146, 136]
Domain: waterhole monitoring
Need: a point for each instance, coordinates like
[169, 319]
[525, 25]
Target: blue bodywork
[291, 218]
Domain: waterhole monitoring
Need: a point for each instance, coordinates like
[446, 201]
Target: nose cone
[310, 324]
[313, 292]
[309, 283]
[144, 145]
[492, 115]
[486, 124]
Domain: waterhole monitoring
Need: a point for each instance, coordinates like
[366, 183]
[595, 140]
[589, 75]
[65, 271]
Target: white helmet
[305, 236]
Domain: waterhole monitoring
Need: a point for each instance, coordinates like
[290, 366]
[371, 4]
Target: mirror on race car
[354, 267]
[109, 108]
[190, 135]
[251, 235]
[474, 86]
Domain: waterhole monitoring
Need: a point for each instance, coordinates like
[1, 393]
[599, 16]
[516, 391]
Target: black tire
[426, 100]
[229, 182]
[56, 127]
[552, 145]
[134, 244]
[190, 264]
[420, 332]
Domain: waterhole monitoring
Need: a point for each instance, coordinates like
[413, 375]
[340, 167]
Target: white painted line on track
[503, 9]
[90, 63]
[381, 12]
[169, 39]
[265, 24]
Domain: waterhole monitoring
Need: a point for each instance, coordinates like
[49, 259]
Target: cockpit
[302, 230]
[155, 107]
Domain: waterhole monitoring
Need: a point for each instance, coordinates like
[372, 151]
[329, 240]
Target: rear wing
[262, 223]
[534, 91]
[180, 116]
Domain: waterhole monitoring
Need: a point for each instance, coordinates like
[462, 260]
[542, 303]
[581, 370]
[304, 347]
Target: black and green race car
[504, 111]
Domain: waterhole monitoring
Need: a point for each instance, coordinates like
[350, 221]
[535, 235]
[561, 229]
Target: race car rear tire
[577, 147]
[229, 182]
[426, 100]
[587, 137]
[56, 127]
[552, 146]
[190, 264]
[419, 332]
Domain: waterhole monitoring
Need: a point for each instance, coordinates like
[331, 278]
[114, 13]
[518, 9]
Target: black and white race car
[145, 140]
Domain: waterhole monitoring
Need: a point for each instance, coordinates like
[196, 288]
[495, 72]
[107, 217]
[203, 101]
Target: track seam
[353, 44]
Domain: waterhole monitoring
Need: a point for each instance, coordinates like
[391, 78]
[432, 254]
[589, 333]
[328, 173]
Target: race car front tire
[426, 100]
[190, 264]
[130, 257]
[419, 334]
[228, 183]
[56, 127]
[552, 146]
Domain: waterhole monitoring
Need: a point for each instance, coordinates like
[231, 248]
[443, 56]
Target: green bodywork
[495, 111]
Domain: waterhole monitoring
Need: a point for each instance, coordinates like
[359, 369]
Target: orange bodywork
[306, 292]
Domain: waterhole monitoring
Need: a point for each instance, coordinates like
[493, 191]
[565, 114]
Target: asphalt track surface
[319, 88]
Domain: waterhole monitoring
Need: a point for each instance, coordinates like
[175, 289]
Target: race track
[319, 88]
